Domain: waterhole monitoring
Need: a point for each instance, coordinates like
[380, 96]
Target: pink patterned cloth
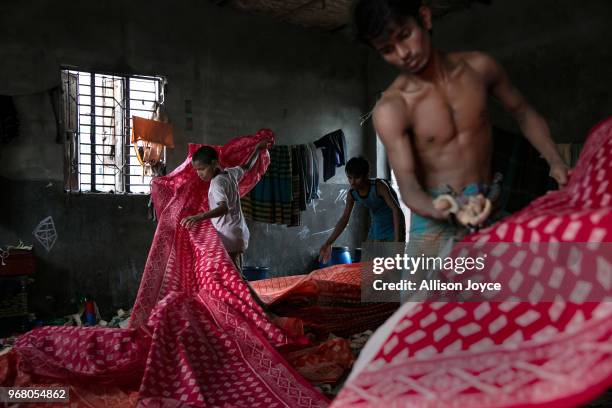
[196, 336]
[198, 339]
[507, 354]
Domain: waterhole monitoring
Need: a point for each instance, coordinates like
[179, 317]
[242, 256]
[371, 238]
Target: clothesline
[292, 181]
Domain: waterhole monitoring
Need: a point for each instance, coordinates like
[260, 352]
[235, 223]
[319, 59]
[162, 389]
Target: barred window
[97, 118]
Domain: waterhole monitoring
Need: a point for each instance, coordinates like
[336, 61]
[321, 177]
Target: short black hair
[205, 155]
[357, 167]
[371, 18]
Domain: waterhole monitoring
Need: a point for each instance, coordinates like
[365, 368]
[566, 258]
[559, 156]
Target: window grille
[98, 110]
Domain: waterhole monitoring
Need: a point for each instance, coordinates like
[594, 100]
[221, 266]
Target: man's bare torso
[450, 130]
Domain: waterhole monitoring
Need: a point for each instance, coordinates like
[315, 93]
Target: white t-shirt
[232, 228]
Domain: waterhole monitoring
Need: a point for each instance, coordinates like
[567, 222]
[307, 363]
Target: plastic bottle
[90, 312]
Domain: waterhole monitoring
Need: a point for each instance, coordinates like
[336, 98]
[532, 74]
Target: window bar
[76, 135]
[92, 134]
[128, 134]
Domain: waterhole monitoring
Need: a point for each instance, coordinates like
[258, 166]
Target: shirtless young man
[433, 118]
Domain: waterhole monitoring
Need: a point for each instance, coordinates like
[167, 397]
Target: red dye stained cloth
[196, 336]
[509, 353]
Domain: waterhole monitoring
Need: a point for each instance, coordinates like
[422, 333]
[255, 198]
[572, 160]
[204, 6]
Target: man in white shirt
[224, 199]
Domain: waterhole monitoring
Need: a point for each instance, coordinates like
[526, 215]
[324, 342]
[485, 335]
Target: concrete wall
[557, 52]
[102, 244]
[241, 73]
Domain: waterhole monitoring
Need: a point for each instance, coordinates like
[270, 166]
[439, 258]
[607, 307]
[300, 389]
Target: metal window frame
[96, 178]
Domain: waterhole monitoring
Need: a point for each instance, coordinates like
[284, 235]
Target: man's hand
[560, 172]
[325, 253]
[189, 221]
[264, 144]
[446, 204]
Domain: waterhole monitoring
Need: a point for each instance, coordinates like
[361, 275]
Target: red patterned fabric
[325, 301]
[506, 354]
[324, 363]
[177, 252]
[196, 336]
[198, 339]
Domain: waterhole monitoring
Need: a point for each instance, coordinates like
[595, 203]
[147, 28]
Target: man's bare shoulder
[390, 101]
[481, 62]
[391, 112]
[471, 57]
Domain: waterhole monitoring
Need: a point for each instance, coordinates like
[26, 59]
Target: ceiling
[329, 15]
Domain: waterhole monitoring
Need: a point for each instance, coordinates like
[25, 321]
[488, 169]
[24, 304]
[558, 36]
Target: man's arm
[253, 158]
[385, 194]
[325, 251]
[391, 124]
[219, 211]
[532, 124]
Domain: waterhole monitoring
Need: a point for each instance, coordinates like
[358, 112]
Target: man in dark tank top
[386, 218]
